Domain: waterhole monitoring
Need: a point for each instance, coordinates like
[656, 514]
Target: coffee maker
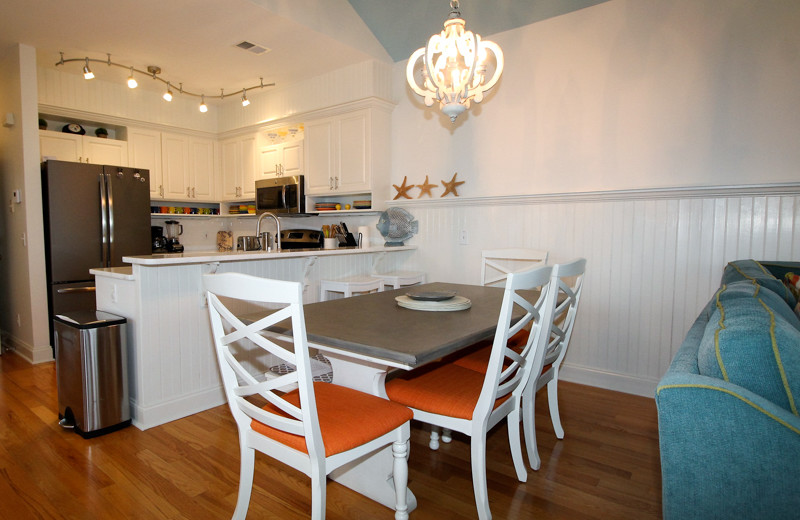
[159, 240]
[174, 230]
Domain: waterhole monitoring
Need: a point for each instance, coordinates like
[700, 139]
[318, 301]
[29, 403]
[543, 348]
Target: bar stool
[349, 285]
[400, 279]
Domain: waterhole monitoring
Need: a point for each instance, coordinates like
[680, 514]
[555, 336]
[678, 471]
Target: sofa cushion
[751, 341]
[756, 273]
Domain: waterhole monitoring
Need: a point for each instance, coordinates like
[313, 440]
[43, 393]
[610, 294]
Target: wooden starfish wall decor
[425, 188]
[452, 186]
[402, 190]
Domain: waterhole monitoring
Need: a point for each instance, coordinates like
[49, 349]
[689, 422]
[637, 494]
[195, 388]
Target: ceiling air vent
[252, 47]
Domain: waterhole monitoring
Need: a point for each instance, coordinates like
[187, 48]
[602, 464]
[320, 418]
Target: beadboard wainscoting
[654, 260]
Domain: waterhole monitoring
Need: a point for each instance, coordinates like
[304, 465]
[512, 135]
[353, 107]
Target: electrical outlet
[463, 237]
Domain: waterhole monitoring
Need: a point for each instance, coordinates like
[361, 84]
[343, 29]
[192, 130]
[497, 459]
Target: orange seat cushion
[448, 390]
[347, 418]
[478, 360]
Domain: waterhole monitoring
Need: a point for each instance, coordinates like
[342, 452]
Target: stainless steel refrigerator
[93, 216]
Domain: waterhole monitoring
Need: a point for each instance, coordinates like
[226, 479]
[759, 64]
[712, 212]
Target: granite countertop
[200, 257]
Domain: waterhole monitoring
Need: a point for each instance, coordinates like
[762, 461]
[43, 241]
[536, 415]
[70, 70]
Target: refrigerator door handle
[104, 220]
[73, 290]
[110, 207]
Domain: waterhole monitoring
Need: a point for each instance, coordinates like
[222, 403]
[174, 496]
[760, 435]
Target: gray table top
[374, 325]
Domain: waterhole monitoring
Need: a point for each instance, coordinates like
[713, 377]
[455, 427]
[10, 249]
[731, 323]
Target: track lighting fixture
[153, 71]
[168, 94]
[87, 72]
[132, 81]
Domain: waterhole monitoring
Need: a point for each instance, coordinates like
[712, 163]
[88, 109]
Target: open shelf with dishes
[183, 209]
[339, 204]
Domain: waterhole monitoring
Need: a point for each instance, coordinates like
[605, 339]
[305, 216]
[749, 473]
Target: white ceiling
[193, 41]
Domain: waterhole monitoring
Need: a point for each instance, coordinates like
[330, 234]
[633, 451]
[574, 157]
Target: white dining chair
[496, 264]
[312, 428]
[567, 286]
[449, 396]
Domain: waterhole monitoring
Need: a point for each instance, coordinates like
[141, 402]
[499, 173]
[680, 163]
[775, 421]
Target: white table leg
[370, 475]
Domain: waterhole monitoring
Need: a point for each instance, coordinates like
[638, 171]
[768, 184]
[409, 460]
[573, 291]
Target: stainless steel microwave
[281, 195]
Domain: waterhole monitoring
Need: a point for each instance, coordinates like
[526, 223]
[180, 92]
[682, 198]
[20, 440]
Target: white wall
[23, 305]
[625, 94]
[596, 143]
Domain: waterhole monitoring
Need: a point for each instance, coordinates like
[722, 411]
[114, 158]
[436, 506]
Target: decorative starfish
[425, 188]
[452, 186]
[402, 190]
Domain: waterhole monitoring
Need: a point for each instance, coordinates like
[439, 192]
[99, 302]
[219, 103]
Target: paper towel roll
[364, 232]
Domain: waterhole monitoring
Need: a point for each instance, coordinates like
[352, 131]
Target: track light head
[168, 94]
[203, 107]
[87, 72]
[245, 101]
[132, 81]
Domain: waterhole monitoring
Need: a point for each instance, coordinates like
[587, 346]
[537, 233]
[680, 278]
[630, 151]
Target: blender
[173, 230]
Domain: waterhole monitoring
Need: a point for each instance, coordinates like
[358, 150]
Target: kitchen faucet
[277, 231]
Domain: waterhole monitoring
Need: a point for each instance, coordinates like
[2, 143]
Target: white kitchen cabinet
[175, 166]
[144, 151]
[348, 154]
[238, 159]
[201, 169]
[188, 166]
[281, 159]
[82, 148]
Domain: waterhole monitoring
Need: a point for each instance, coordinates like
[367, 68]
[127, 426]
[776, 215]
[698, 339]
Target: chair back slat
[508, 370]
[565, 312]
[239, 383]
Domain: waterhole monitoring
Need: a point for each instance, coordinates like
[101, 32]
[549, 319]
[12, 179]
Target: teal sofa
[729, 429]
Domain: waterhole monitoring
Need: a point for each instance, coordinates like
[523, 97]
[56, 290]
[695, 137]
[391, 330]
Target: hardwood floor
[607, 467]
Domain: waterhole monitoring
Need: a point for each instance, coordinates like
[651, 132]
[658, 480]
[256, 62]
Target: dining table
[365, 337]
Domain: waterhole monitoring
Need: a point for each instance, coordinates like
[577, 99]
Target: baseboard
[609, 380]
[183, 406]
[29, 353]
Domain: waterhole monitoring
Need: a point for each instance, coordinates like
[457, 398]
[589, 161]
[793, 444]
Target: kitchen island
[172, 366]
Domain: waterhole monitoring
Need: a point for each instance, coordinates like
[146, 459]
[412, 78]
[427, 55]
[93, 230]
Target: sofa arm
[725, 452]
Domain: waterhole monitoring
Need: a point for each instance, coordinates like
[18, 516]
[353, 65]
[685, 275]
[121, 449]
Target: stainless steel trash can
[92, 372]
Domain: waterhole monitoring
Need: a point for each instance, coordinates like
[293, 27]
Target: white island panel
[173, 367]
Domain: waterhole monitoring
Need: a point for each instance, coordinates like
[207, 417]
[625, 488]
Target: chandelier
[454, 66]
